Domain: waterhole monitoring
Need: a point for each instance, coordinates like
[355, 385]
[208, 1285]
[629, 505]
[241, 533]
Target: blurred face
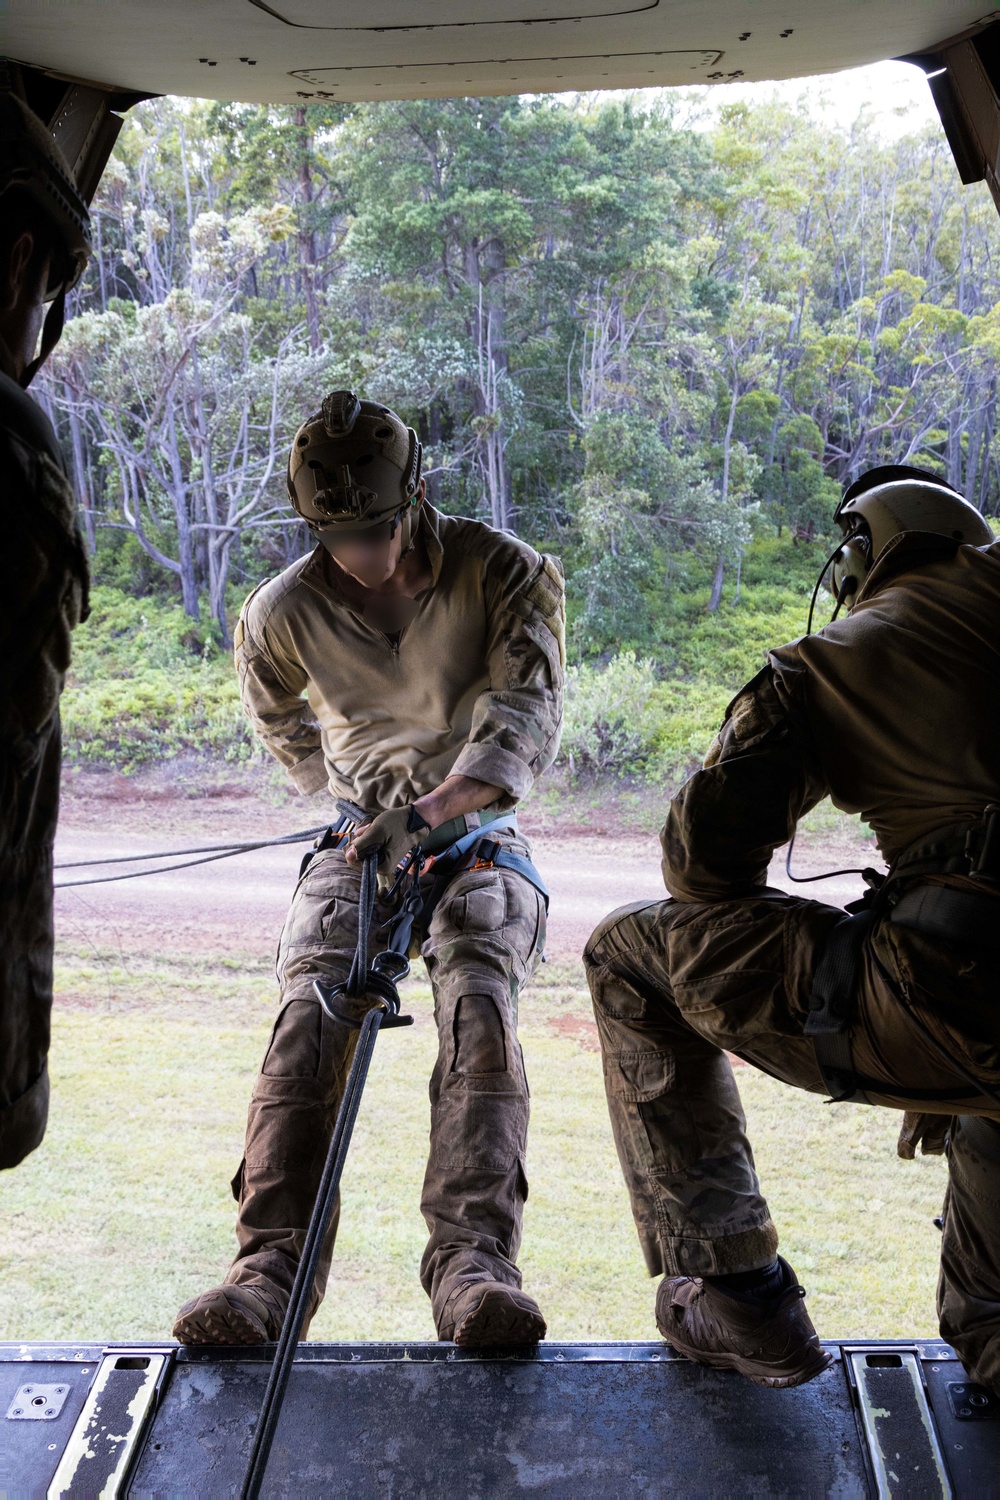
[370, 556]
[22, 299]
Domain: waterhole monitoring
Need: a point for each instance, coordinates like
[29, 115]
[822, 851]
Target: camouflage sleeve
[759, 777]
[517, 721]
[272, 697]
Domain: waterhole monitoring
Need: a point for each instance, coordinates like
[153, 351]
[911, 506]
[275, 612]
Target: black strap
[967, 848]
[832, 1006]
[832, 1010]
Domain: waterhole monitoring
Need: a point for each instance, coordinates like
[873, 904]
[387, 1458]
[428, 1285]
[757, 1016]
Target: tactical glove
[394, 834]
[929, 1132]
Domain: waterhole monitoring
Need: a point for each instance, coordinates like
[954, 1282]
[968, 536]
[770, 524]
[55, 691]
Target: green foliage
[654, 716]
[148, 683]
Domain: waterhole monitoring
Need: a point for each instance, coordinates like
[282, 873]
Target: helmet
[891, 499]
[32, 164]
[353, 465]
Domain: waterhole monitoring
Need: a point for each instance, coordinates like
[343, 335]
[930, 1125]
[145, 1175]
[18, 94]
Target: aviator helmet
[32, 165]
[886, 501]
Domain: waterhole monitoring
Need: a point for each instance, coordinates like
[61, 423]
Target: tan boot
[772, 1343]
[228, 1314]
[485, 1314]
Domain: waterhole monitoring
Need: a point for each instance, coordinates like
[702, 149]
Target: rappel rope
[209, 852]
[366, 981]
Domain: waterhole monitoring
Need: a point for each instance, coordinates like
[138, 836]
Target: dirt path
[238, 905]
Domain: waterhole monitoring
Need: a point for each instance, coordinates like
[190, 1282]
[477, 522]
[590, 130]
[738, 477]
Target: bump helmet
[891, 499]
[32, 163]
[354, 464]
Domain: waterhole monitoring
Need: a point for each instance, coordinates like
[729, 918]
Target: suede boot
[773, 1343]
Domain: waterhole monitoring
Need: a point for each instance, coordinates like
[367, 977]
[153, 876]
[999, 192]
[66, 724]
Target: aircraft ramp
[422, 1420]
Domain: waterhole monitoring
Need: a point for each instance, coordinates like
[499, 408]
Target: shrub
[148, 683]
[611, 717]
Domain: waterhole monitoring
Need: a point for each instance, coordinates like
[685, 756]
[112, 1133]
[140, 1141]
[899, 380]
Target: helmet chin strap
[51, 332]
[408, 521]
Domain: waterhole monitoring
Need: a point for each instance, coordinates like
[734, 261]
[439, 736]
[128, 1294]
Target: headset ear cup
[850, 567]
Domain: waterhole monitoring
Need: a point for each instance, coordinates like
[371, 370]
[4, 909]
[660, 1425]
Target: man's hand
[397, 831]
[393, 833]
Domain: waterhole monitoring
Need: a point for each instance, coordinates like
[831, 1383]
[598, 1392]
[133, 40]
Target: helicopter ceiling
[286, 51]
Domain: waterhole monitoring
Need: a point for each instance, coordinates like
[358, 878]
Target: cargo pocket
[655, 1116]
[478, 907]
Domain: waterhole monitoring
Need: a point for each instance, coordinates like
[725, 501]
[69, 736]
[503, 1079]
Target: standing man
[893, 713]
[413, 663]
[44, 244]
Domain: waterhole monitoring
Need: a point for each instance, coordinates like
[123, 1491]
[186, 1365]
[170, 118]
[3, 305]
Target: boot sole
[500, 1318]
[814, 1363]
[219, 1322]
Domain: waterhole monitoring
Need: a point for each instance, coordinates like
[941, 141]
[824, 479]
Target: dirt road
[238, 905]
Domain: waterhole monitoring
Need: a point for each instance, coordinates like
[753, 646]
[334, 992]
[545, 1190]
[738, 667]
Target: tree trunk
[182, 518]
[715, 597]
[306, 236]
[493, 365]
[80, 475]
[980, 500]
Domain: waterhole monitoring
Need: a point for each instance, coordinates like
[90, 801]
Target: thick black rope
[326, 1197]
[366, 910]
[210, 853]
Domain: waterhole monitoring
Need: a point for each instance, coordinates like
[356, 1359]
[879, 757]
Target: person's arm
[454, 797]
[517, 719]
[271, 692]
[759, 777]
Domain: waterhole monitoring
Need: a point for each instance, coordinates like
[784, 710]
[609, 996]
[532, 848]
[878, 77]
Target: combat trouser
[30, 779]
[484, 942]
[677, 985]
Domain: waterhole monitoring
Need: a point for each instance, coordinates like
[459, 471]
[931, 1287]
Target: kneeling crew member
[44, 245]
[891, 711]
[429, 653]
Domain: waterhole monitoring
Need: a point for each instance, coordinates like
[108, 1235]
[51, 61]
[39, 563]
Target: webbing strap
[420, 907]
[832, 1009]
[832, 1006]
[504, 860]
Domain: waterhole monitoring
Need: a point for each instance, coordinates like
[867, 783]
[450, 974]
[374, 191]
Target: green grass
[125, 1210]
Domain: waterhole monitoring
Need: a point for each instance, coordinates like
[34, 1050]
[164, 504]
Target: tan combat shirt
[472, 686]
[893, 711]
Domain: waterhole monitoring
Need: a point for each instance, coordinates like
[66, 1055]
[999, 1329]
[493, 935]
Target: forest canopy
[645, 346]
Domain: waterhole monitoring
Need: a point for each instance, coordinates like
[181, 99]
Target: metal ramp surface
[580, 1420]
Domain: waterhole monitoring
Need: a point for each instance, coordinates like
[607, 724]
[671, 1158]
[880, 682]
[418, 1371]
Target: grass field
[125, 1210]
